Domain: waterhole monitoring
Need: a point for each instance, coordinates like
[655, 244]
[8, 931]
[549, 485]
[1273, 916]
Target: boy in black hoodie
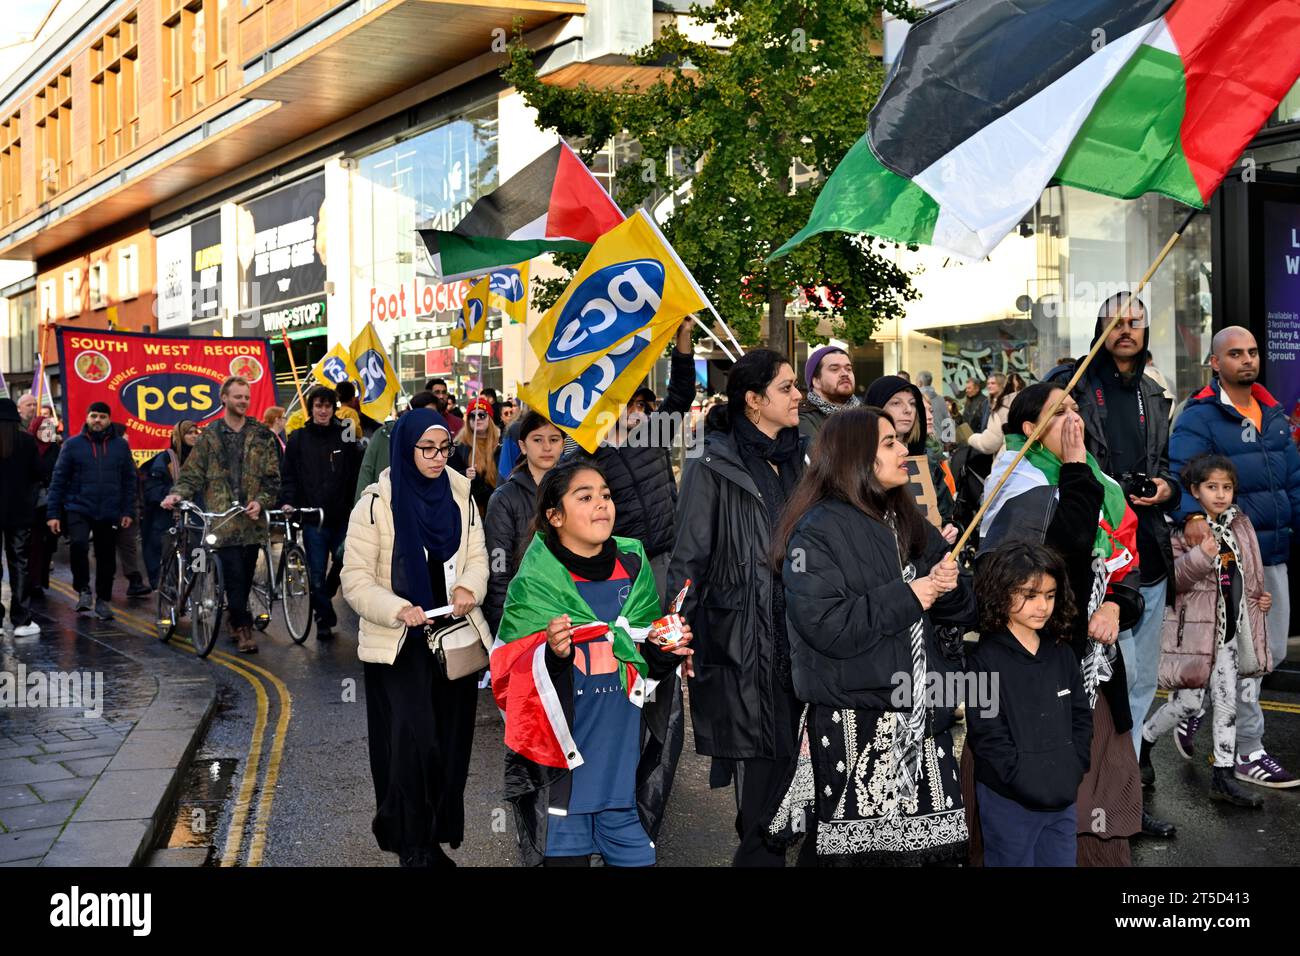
[1031, 746]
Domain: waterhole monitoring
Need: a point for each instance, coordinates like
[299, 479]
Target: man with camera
[1126, 419]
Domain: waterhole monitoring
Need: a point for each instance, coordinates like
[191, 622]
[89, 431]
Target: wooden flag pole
[293, 367]
[1046, 417]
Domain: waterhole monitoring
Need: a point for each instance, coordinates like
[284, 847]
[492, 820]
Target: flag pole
[1046, 418]
[293, 367]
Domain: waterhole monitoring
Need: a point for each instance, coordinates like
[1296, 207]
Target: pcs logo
[475, 309]
[610, 304]
[171, 397]
[571, 403]
[507, 284]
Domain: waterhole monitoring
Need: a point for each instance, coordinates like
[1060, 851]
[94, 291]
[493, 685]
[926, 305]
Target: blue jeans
[1141, 650]
[1017, 836]
[321, 544]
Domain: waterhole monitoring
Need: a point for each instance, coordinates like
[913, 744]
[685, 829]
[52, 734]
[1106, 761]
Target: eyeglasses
[474, 415]
[434, 451]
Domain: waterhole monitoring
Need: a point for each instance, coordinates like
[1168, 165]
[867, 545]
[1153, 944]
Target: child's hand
[1265, 602]
[559, 634]
[683, 651]
[1210, 546]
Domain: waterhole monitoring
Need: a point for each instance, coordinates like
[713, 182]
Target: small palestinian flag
[992, 100]
[554, 204]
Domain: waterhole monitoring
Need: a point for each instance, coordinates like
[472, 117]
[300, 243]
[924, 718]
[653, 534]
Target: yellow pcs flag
[471, 326]
[508, 291]
[604, 334]
[335, 367]
[379, 383]
[630, 281]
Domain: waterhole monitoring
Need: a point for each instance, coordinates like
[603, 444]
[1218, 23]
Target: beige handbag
[458, 646]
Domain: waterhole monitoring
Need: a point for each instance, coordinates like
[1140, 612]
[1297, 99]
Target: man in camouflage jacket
[237, 459]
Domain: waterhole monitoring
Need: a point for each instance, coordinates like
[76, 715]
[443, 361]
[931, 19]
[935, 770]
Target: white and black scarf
[1221, 528]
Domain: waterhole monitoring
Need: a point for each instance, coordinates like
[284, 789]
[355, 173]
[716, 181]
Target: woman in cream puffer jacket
[368, 559]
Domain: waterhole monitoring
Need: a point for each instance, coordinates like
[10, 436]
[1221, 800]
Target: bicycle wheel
[171, 580]
[295, 595]
[260, 597]
[207, 596]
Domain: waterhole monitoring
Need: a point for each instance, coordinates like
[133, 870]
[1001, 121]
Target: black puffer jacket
[640, 472]
[510, 514]
[849, 614]
[723, 538]
[320, 470]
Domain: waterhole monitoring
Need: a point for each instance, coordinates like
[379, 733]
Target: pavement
[280, 775]
[90, 783]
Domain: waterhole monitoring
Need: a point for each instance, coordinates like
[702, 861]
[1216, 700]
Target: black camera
[1138, 485]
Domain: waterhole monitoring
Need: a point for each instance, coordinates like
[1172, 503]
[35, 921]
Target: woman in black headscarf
[415, 544]
[906, 407]
[743, 705]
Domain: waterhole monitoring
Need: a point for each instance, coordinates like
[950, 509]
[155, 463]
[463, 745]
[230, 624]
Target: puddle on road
[199, 806]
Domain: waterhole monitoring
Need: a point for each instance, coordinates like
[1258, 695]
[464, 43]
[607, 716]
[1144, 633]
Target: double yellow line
[243, 802]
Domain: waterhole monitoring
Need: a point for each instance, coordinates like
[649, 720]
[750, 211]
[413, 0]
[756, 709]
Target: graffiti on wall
[979, 363]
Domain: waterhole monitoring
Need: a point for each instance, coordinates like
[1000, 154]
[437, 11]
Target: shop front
[281, 261]
[428, 179]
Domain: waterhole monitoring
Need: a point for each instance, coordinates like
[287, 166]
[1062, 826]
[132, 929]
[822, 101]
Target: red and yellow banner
[151, 382]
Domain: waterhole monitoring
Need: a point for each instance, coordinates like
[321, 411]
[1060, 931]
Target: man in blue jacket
[92, 494]
[1235, 416]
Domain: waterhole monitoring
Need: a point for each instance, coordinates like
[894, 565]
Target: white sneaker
[27, 630]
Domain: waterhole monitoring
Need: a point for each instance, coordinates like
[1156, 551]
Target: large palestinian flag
[554, 204]
[992, 100]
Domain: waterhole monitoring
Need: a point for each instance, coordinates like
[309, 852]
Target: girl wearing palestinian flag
[1058, 495]
[575, 678]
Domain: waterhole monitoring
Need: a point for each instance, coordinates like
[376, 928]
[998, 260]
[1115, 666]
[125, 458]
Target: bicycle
[193, 588]
[287, 580]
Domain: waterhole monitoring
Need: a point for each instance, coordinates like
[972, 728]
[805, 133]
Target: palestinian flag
[992, 100]
[1117, 523]
[541, 590]
[554, 204]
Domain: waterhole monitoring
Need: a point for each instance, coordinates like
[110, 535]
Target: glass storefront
[428, 180]
[1035, 301]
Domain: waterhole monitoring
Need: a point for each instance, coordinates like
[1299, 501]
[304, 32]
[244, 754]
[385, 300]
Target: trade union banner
[152, 382]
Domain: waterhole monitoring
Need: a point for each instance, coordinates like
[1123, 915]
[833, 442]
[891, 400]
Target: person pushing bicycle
[236, 460]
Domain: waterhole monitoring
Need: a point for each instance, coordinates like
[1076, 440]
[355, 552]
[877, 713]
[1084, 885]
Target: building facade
[259, 167]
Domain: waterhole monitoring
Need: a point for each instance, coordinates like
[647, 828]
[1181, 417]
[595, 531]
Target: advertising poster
[1281, 347]
[152, 382]
[205, 271]
[280, 239]
[174, 298]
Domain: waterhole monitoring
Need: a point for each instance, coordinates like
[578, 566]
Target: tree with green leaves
[788, 88]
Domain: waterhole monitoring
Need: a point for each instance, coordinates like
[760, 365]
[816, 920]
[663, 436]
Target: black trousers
[759, 782]
[80, 530]
[238, 561]
[41, 545]
[15, 555]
